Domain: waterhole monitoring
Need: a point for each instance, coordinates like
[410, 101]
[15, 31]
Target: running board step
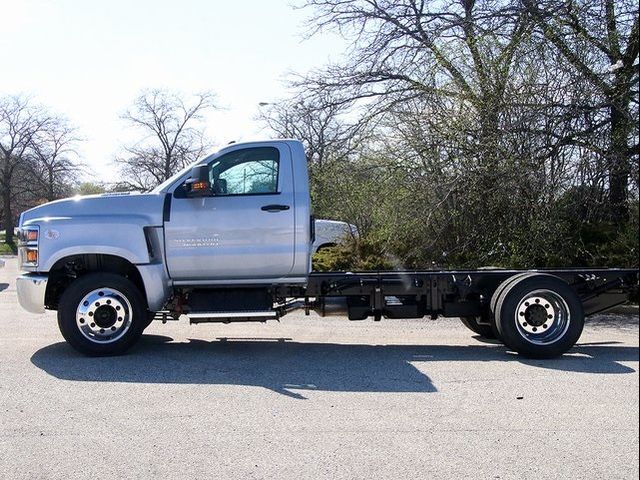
[227, 317]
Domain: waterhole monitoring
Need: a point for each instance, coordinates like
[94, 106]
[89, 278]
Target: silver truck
[231, 239]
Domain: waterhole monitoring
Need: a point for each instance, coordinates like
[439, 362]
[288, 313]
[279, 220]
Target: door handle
[274, 208]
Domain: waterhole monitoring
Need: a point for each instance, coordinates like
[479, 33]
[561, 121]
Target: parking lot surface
[313, 397]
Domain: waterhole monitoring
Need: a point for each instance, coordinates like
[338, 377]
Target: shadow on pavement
[612, 320]
[3, 286]
[283, 366]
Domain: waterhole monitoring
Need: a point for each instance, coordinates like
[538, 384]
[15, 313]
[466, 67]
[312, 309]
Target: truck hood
[147, 207]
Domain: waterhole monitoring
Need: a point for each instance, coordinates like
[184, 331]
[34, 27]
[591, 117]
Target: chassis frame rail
[455, 293]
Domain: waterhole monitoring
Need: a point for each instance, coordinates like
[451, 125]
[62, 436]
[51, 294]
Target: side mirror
[198, 185]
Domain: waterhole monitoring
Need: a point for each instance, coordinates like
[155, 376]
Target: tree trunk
[50, 186]
[489, 133]
[7, 216]
[167, 167]
[619, 164]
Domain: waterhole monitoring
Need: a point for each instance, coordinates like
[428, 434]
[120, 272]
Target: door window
[251, 171]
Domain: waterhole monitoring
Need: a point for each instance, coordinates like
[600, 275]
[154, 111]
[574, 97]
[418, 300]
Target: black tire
[552, 309]
[88, 336]
[149, 319]
[495, 327]
[483, 330]
[490, 331]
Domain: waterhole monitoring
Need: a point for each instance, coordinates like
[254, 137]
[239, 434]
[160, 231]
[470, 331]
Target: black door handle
[274, 208]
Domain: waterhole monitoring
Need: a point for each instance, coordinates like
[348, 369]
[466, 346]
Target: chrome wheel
[104, 315]
[542, 317]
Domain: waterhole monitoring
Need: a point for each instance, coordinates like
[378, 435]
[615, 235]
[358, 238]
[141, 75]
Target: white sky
[89, 59]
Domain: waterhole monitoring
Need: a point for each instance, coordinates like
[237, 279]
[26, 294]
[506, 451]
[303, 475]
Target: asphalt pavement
[313, 397]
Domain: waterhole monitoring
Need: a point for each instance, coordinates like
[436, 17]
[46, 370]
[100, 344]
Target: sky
[88, 60]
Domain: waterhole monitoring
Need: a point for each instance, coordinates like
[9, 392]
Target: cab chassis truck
[229, 240]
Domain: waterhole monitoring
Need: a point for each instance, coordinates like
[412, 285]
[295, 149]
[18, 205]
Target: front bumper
[31, 289]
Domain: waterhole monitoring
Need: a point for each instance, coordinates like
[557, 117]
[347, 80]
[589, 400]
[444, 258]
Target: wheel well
[67, 269]
[325, 245]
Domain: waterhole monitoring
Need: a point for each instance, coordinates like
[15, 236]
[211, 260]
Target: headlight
[28, 246]
[31, 235]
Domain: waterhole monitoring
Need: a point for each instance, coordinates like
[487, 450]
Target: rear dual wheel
[538, 315]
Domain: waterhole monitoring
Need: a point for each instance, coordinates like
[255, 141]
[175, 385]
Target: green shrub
[351, 255]
[7, 248]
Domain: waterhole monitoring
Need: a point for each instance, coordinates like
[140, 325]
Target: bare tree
[56, 163]
[173, 136]
[20, 122]
[407, 49]
[318, 122]
[600, 40]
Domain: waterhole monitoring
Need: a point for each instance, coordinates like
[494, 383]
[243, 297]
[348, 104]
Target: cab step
[228, 317]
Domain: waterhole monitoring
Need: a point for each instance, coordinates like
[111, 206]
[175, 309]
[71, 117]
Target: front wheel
[101, 314]
[539, 316]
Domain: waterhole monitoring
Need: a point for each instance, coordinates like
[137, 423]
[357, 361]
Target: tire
[490, 331]
[102, 314]
[149, 319]
[483, 330]
[539, 316]
[495, 327]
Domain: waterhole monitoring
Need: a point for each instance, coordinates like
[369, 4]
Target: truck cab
[248, 224]
[252, 222]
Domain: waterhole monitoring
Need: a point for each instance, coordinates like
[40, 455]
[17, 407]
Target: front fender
[122, 236]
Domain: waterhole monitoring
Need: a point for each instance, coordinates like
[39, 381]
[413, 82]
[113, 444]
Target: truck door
[246, 229]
